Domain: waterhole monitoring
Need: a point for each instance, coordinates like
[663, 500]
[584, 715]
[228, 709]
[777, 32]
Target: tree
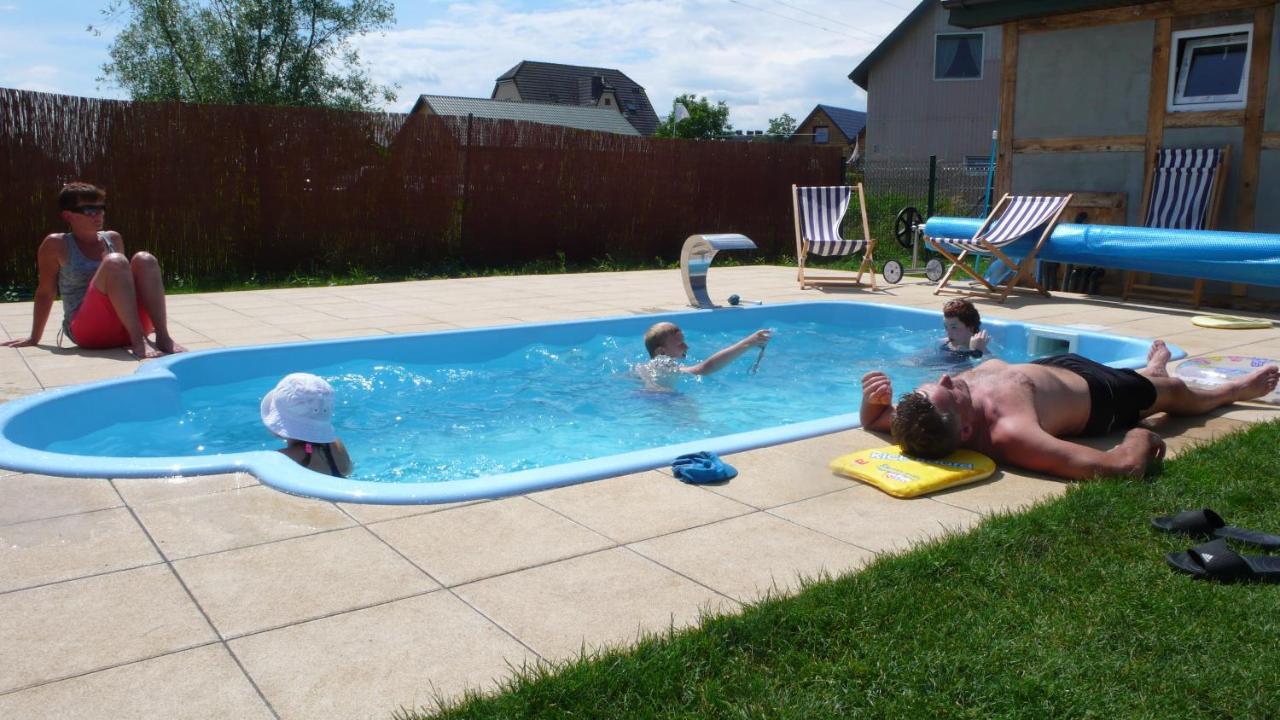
[705, 121]
[781, 128]
[260, 52]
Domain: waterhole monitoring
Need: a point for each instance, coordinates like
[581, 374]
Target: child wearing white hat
[300, 410]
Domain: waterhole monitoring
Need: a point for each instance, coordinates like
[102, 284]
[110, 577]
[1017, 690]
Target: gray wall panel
[1267, 217]
[1079, 172]
[1084, 82]
[1272, 121]
[1210, 137]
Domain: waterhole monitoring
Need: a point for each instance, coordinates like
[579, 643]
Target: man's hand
[979, 341]
[1148, 449]
[24, 342]
[759, 338]
[877, 389]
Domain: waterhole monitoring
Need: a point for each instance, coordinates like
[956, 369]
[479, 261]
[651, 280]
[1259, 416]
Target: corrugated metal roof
[544, 82]
[599, 119]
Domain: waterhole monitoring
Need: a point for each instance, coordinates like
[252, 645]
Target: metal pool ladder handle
[695, 260]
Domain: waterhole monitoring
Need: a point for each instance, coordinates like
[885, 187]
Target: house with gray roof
[597, 119]
[933, 88]
[831, 125]
[576, 85]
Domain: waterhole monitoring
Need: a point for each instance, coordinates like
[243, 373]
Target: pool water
[545, 404]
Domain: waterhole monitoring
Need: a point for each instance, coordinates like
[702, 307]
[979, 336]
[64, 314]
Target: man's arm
[48, 260]
[1030, 447]
[876, 412]
[759, 338]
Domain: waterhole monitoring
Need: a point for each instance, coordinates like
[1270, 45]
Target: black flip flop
[1217, 561]
[1207, 523]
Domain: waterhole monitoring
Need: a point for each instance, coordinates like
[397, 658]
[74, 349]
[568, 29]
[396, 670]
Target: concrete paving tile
[753, 556]
[639, 506]
[204, 682]
[368, 663]
[235, 518]
[72, 546]
[873, 520]
[62, 630]
[769, 477]
[74, 375]
[367, 513]
[486, 539]
[32, 497]
[607, 598]
[140, 491]
[1006, 491]
[282, 583]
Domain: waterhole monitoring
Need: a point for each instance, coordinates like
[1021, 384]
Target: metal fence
[230, 192]
[932, 187]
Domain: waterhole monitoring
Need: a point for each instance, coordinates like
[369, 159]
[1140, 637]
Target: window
[1209, 68]
[958, 56]
[821, 135]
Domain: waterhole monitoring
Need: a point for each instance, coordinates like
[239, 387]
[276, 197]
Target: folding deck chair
[1184, 192]
[1013, 218]
[818, 214]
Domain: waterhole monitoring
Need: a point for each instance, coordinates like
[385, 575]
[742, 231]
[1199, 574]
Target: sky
[762, 57]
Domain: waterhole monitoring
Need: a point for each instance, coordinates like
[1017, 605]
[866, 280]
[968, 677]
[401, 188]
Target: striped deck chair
[1014, 217]
[1184, 193]
[818, 214]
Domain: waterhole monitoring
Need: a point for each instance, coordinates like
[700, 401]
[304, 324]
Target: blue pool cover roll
[1252, 258]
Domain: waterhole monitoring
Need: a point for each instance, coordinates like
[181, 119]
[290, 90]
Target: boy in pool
[965, 339]
[666, 346]
[300, 410]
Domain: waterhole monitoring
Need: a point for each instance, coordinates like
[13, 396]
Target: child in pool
[666, 346]
[300, 410]
[965, 339]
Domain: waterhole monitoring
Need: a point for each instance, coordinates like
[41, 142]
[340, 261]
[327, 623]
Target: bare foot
[1257, 383]
[1158, 359]
[145, 352]
[167, 345]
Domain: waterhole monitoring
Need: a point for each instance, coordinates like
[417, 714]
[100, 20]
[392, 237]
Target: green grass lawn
[1065, 610]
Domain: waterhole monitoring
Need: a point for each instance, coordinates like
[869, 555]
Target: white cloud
[762, 65]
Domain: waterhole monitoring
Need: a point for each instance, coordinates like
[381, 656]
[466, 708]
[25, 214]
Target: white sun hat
[300, 407]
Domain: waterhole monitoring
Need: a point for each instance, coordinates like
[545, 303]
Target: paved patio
[219, 597]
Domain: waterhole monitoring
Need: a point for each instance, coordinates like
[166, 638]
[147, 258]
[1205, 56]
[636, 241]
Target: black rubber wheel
[892, 272]
[934, 269]
[905, 224]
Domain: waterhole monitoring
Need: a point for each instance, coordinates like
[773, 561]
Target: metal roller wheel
[904, 226]
[892, 272]
[934, 270]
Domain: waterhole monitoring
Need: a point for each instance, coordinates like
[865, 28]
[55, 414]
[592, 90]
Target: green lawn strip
[1064, 610]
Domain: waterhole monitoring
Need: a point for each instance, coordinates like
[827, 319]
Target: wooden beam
[1254, 110]
[1271, 141]
[1113, 143]
[1008, 91]
[1155, 107]
[1204, 118]
[1134, 13]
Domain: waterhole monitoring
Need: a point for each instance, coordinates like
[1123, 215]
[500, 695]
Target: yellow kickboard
[902, 476]
[1229, 322]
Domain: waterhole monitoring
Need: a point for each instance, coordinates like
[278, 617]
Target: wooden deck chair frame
[802, 248]
[1021, 269]
[1138, 283]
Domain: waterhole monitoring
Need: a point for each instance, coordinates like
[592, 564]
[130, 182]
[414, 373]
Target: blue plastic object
[1252, 258]
[701, 468]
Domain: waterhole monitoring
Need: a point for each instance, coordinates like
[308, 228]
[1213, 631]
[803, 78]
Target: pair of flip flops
[1215, 560]
[701, 468]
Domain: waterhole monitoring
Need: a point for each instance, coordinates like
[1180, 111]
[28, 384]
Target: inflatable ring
[1229, 322]
[1213, 370]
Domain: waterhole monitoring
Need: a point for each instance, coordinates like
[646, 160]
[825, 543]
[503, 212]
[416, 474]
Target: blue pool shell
[29, 423]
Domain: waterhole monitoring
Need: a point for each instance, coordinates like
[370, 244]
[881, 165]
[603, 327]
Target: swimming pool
[457, 415]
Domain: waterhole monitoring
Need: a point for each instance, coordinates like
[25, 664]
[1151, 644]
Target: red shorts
[96, 325]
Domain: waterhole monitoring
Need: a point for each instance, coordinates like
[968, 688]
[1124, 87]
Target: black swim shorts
[1117, 396]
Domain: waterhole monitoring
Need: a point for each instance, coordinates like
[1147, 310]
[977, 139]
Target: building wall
[1268, 213]
[1082, 172]
[804, 133]
[910, 116]
[1272, 121]
[506, 91]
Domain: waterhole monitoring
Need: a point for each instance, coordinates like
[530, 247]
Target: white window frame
[982, 49]
[1178, 69]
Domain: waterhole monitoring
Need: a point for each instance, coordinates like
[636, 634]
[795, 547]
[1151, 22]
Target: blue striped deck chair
[1012, 219]
[1184, 193]
[818, 214]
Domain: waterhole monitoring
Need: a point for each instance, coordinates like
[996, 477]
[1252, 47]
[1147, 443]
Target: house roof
[553, 83]
[599, 119]
[859, 74]
[977, 13]
[850, 122]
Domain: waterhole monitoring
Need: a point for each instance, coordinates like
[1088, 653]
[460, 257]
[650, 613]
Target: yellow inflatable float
[1229, 322]
[903, 476]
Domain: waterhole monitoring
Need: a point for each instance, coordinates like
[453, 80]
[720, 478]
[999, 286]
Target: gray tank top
[74, 277]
